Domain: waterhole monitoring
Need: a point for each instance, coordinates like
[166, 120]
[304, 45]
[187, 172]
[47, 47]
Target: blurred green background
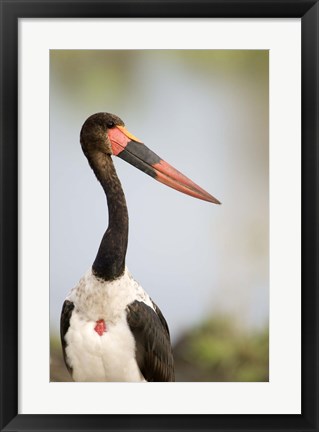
[207, 267]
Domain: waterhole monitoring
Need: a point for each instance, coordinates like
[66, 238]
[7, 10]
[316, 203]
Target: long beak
[132, 150]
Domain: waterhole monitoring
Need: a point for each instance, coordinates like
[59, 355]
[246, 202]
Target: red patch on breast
[100, 327]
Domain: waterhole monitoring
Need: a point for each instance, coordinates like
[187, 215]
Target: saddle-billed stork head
[107, 134]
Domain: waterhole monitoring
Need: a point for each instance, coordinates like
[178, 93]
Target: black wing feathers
[153, 347]
[161, 317]
[67, 309]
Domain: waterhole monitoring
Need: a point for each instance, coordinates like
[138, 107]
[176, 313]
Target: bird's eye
[110, 124]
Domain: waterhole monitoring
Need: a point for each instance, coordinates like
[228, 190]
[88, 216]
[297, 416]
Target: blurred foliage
[58, 370]
[215, 351]
[218, 350]
[100, 76]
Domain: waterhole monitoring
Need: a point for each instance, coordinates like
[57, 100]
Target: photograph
[166, 280]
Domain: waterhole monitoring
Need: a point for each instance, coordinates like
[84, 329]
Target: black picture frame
[11, 11]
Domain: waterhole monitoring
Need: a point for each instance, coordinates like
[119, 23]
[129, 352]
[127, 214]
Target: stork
[111, 330]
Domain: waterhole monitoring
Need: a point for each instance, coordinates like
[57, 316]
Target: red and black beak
[132, 150]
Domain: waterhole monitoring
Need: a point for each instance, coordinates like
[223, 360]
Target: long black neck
[110, 260]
